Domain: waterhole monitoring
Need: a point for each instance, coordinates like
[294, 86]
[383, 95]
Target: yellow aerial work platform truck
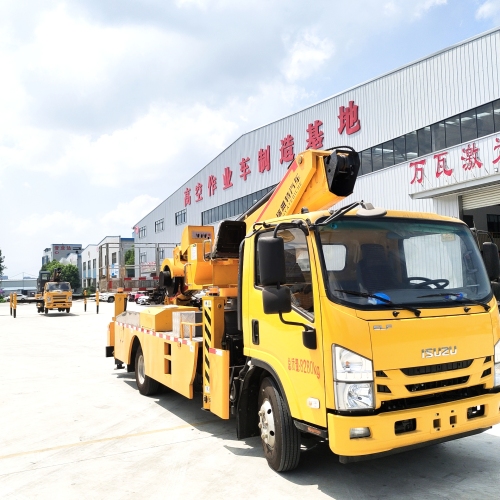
[372, 329]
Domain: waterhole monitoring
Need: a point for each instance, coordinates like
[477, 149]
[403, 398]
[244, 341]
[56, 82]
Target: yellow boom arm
[315, 180]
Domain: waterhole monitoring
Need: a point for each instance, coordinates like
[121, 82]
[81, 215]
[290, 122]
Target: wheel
[111, 299]
[145, 384]
[280, 438]
[67, 310]
[439, 283]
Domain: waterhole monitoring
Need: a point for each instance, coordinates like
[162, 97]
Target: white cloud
[149, 148]
[306, 56]
[60, 225]
[67, 225]
[420, 8]
[416, 9]
[127, 214]
[489, 10]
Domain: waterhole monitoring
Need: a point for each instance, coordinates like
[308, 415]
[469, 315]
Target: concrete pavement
[73, 427]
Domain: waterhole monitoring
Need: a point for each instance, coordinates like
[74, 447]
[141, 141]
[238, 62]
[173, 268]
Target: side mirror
[277, 300]
[271, 261]
[491, 260]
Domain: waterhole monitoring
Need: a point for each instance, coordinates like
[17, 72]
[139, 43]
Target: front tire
[67, 310]
[280, 438]
[111, 300]
[146, 385]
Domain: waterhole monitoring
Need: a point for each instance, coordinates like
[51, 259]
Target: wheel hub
[266, 424]
[141, 373]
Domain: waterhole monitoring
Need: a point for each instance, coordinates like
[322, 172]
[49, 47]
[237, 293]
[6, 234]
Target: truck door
[280, 345]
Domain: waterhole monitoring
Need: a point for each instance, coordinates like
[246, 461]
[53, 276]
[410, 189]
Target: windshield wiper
[415, 311]
[459, 296]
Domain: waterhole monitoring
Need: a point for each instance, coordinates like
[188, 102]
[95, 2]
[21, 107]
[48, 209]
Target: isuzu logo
[435, 352]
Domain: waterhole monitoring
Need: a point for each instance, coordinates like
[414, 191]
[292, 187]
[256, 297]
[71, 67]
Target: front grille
[383, 388]
[59, 299]
[442, 367]
[431, 399]
[437, 384]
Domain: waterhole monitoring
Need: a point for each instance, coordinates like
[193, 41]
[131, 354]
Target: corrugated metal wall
[429, 90]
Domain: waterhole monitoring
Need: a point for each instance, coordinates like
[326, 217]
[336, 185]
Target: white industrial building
[104, 262]
[428, 134]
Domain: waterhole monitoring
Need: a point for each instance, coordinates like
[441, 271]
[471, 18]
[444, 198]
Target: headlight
[348, 365]
[70, 298]
[497, 363]
[353, 375]
[354, 396]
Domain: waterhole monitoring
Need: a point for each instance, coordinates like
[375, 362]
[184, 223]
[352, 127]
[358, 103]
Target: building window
[438, 138]
[161, 253]
[493, 222]
[159, 225]
[485, 122]
[234, 207]
[465, 127]
[452, 129]
[377, 158]
[93, 263]
[424, 141]
[469, 220]
[113, 258]
[180, 217]
[84, 266]
[388, 154]
[142, 258]
[142, 232]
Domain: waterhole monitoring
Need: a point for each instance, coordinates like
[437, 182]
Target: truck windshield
[62, 286]
[403, 261]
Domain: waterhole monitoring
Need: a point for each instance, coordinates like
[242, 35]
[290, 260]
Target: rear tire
[280, 438]
[146, 385]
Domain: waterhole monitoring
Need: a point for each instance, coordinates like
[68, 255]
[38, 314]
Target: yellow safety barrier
[13, 302]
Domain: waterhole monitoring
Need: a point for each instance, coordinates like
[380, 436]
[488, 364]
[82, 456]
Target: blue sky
[108, 106]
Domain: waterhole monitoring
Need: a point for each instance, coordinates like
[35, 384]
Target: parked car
[20, 297]
[106, 297]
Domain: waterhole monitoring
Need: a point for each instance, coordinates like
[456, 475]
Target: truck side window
[297, 266]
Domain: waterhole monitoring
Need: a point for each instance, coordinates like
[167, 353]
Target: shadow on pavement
[457, 469]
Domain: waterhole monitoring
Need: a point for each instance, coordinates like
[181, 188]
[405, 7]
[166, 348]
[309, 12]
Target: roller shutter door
[484, 197]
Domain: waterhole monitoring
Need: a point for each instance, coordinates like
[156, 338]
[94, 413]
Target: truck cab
[53, 294]
[381, 336]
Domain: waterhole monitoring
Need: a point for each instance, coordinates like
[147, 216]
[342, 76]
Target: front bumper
[435, 423]
[58, 305]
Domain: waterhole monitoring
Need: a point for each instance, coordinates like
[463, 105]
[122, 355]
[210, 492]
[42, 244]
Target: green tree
[130, 257]
[2, 267]
[69, 272]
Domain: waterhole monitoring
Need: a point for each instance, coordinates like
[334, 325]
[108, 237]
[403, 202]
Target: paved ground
[72, 427]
